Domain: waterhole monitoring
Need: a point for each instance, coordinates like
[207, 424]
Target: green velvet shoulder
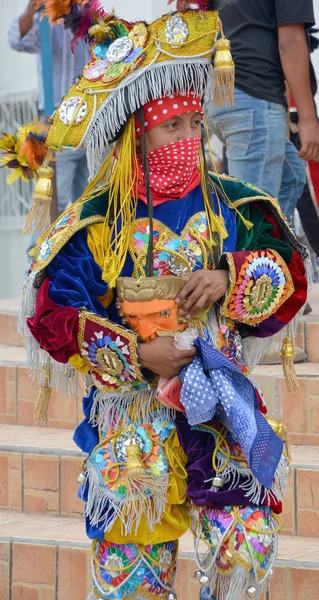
[235, 190]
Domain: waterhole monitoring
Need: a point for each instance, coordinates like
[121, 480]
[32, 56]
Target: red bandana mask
[173, 171]
[173, 167]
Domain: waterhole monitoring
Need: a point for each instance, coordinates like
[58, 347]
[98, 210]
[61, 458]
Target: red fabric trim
[293, 304]
[54, 327]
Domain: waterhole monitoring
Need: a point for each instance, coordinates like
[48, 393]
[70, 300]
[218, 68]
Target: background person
[24, 36]
[269, 47]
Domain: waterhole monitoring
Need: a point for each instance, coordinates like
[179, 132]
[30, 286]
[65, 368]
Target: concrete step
[299, 411]
[48, 558]
[39, 469]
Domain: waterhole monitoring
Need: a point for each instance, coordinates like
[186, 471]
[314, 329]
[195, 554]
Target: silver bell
[81, 478]
[251, 592]
[198, 575]
[172, 596]
[218, 482]
[204, 579]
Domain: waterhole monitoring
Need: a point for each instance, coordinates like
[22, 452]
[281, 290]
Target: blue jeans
[257, 148]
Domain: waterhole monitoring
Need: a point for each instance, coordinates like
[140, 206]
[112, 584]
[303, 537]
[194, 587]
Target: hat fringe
[157, 81]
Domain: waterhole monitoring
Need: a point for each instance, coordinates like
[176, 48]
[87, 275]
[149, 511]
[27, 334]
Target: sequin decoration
[112, 356]
[45, 249]
[139, 35]
[127, 571]
[64, 221]
[119, 49]
[95, 71]
[110, 351]
[239, 537]
[230, 344]
[176, 31]
[175, 255]
[113, 72]
[126, 489]
[73, 110]
[263, 284]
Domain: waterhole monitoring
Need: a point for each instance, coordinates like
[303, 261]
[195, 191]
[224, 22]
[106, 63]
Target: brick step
[39, 469]
[299, 411]
[18, 395]
[59, 545]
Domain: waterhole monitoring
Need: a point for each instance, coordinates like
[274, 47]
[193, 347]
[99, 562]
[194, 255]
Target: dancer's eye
[165, 314]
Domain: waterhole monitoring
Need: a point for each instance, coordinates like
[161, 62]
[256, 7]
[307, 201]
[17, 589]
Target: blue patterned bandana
[214, 387]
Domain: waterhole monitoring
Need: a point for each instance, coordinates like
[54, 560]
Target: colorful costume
[214, 464]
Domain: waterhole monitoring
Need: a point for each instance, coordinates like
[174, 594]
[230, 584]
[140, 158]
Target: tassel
[287, 359]
[224, 74]
[140, 486]
[42, 405]
[38, 219]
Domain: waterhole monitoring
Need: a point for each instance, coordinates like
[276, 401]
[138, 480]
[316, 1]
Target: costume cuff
[110, 350]
[260, 282]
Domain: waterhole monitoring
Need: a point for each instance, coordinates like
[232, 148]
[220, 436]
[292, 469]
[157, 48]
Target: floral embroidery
[259, 289]
[45, 249]
[147, 572]
[110, 351]
[252, 542]
[64, 221]
[174, 255]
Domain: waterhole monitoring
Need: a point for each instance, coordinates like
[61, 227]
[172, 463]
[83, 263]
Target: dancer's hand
[202, 289]
[161, 357]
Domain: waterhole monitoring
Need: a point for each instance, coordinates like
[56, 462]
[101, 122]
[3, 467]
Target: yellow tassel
[38, 219]
[138, 481]
[224, 74]
[134, 462]
[287, 359]
[42, 405]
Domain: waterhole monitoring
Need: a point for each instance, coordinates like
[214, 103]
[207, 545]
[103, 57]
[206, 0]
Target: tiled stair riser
[298, 411]
[18, 397]
[44, 484]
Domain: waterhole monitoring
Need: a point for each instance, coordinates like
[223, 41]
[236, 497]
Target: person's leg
[293, 180]
[81, 174]
[309, 219]
[66, 166]
[254, 132]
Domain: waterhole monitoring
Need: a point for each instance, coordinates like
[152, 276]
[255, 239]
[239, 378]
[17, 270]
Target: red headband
[163, 109]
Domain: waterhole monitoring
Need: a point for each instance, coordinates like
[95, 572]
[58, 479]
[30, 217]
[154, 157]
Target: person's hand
[202, 289]
[161, 357]
[31, 6]
[309, 138]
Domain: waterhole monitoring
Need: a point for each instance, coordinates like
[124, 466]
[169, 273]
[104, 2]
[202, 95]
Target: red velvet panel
[54, 327]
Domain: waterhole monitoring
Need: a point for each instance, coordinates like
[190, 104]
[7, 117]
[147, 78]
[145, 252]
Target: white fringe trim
[115, 410]
[253, 489]
[103, 509]
[41, 366]
[154, 81]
